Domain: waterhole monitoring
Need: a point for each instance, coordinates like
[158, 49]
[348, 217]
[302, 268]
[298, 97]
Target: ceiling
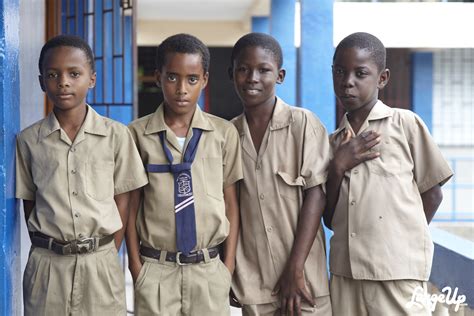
[197, 10]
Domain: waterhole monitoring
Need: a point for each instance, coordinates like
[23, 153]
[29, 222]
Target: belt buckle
[178, 261]
[85, 245]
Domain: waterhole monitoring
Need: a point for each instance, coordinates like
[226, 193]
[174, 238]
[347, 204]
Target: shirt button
[262, 196]
[81, 235]
[73, 149]
[353, 234]
[74, 193]
[73, 171]
[353, 202]
[259, 166]
[269, 229]
[76, 215]
[356, 171]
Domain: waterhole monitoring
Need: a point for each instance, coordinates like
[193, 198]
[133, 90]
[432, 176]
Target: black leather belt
[79, 246]
[178, 257]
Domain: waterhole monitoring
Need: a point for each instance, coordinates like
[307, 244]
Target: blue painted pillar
[282, 27]
[422, 86]
[261, 24]
[316, 51]
[9, 122]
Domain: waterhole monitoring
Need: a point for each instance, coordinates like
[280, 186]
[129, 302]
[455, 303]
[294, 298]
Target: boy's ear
[383, 78]
[281, 76]
[230, 72]
[157, 78]
[40, 78]
[93, 80]
[205, 80]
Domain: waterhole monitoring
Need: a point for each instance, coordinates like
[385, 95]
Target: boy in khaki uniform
[189, 207]
[279, 270]
[383, 189]
[74, 169]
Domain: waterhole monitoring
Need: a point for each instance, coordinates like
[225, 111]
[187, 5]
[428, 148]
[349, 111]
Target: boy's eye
[171, 78]
[241, 69]
[264, 70]
[52, 75]
[361, 74]
[75, 74]
[193, 80]
[338, 71]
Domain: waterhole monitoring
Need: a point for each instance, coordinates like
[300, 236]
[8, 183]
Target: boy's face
[181, 78]
[357, 79]
[255, 73]
[67, 77]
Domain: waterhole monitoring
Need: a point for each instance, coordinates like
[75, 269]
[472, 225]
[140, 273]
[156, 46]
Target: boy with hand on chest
[383, 189]
[281, 260]
[189, 208]
[74, 171]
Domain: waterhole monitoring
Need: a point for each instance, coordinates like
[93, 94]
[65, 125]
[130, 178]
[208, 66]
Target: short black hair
[262, 40]
[184, 44]
[366, 41]
[67, 40]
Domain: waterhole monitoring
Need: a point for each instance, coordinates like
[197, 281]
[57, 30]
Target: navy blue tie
[183, 191]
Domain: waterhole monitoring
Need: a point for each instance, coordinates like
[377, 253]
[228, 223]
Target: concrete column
[261, 24]
[316, 51]
[422, 86]
[9, 122]
[282, 22]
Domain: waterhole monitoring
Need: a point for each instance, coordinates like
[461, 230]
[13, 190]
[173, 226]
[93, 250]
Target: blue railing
[461, 208]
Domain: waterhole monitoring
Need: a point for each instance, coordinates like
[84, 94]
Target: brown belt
[79, 246]
[178, 257]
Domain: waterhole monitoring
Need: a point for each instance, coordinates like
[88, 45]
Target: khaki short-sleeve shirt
[380, 228]
[293, 157]
[216, 166]
[73, 184]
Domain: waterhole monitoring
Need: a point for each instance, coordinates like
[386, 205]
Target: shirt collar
[156, 123]
[93, 124]
[281, 117]
[378, 112]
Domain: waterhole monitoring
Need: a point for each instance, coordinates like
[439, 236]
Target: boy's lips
[181, 102]
[64, 96]
[251, 91]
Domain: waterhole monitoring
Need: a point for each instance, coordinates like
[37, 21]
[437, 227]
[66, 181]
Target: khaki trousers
[84, 284]
[323, 308]
[351, 297]
[166, 288]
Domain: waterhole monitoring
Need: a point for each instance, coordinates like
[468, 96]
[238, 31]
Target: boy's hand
[135, 270]
[292, 288]
[353, 151]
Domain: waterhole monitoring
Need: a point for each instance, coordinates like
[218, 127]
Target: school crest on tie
[184, 184]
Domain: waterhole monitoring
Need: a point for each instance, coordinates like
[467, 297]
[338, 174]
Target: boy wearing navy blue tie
[190, 206]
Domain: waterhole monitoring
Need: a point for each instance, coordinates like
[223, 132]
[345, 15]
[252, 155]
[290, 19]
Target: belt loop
[50, 243]
[96, 243]
[205, 252]
[163, 254]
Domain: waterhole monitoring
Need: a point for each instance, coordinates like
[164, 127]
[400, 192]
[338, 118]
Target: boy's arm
[131, 235]
[431, 200]
[291, 286]
[122, 201]
[232, 213]
[349, 153]
[28, 208]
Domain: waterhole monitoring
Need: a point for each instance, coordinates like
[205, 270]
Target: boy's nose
[63, 82]
[253, 76]
[348, 81]
[181, 89]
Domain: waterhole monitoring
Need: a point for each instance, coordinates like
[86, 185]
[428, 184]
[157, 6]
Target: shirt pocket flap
[298, 181]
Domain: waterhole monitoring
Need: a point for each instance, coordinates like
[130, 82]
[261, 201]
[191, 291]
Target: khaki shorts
[166, 288]
[384, 298]
[87, 284]
[323, 308]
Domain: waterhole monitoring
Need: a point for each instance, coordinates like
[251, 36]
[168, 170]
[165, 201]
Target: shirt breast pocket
[289, 186]
[388, 163]
[213, 178]
[99, 180]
